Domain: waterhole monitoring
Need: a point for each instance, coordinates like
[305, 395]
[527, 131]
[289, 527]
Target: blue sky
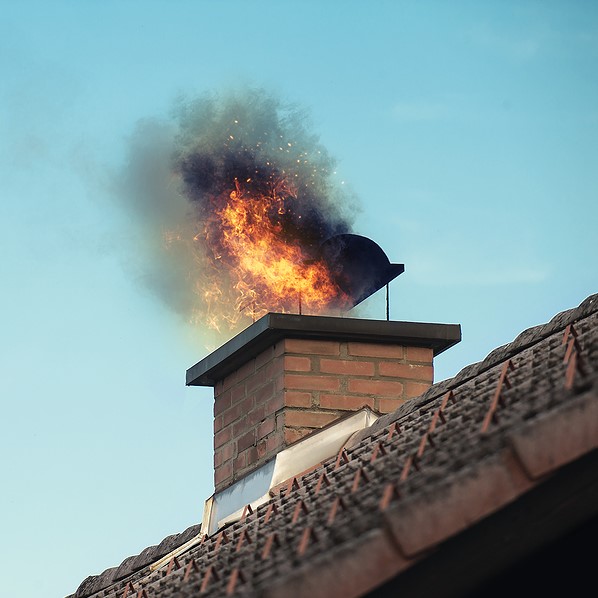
[468, 132]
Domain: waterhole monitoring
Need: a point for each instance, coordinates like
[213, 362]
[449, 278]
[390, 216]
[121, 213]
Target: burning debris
[246, 201]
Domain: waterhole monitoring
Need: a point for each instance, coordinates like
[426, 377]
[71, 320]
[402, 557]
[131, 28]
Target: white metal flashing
[254, 489]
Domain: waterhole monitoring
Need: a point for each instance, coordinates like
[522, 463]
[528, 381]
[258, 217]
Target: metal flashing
[254, 489]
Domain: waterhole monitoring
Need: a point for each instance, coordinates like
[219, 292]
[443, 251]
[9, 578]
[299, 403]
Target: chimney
[287, 376]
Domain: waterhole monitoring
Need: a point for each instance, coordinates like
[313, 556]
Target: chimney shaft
[287, 376]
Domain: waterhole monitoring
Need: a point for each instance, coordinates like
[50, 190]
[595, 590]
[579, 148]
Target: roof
[272, 327]
[493, 462]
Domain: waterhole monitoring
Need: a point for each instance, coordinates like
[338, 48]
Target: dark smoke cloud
[181, 171]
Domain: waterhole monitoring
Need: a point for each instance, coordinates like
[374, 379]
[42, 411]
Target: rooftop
[483, 468]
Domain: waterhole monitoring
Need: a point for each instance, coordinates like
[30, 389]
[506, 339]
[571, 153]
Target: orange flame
[262, 271]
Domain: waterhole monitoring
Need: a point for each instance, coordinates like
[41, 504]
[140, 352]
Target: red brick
[293, 434]
[262, 447]
[264, 393]
[240, 462]
[419, 354]
[237, 411]
[294, 363]
[222, 402]
[255, 380]
[311, 382]
[218, 425]
[311, 347]
[227, 382]
[343, 366]
[274, 404]
[264, 357]
[245, 441]
[240, 427]
[349, 403]
[308, 419]
[382, 388]
[223, 473]
[293, 398]
[406, 370]
[266, 427]
[223, 454]
[274, 442]
[255, 416]
[414, 389]
[388, 405]
[274, 368]
[237, 393]
[222, 437]
[376, 350]
[245, 370]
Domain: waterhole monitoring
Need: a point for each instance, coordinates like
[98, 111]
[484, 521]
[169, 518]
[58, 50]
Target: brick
[388, 405]
[311, 347]
[254, 381]
[414, 389]
[274, 442]
[292, 435]
[262, 447]
[381, 388]
[218, 425]
[222, 402]
[343, 366]
[240, 427]
[406, 370]
[419, 354]
[376, 350]
[274, 404]
[245, 370]
[274, 368]
[240, 462]
[311, 382]
[245, 441]
[308, 419]
[223, 454]
[266, 427]
[294, 363]
[348, 403]
[263, 394]
[255, 416]
[264, 357]
[237, 411]
[223, 473]
[237, 393]
[222, 437]
[293, 398]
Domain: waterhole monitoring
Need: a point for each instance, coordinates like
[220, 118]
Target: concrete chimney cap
[274, 327]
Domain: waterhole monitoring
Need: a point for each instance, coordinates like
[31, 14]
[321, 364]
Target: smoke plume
[223, 165]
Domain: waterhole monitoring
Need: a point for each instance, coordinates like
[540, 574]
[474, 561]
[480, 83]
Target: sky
[466, 131]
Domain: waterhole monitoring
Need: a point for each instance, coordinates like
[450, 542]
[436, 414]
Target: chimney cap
[273, 327]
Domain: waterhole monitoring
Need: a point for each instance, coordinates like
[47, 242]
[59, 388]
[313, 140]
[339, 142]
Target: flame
[253, 268]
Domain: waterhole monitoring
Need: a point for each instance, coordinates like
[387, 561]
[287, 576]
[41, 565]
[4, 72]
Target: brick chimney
[288, 375]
